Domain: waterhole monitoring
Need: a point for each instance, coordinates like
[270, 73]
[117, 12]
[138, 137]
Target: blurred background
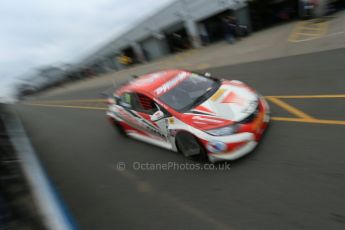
[72, 50]
[47, 45]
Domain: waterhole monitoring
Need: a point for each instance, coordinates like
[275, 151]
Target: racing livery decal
[191, 113]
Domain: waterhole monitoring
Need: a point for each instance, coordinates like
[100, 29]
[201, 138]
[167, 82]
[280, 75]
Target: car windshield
[191, 92]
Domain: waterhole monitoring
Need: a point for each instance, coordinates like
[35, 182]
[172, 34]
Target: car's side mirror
[207, 74]
[111, 101]
[117, 98]
[157, 116]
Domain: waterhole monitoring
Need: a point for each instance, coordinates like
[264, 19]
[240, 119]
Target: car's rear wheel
[190, 147]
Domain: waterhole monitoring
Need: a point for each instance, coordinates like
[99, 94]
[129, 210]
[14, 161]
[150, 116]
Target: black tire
[190, 147]
[119, 128]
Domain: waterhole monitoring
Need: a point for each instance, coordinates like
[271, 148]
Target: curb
[53, 211]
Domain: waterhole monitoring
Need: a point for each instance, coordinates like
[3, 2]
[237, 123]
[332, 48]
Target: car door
[146, 107]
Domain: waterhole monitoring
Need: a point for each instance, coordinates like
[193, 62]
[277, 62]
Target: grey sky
[35, 33]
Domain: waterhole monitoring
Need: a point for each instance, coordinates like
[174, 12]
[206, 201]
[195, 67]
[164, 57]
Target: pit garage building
[182, 25]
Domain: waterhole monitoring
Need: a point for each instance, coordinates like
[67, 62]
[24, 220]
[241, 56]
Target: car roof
[148, 83]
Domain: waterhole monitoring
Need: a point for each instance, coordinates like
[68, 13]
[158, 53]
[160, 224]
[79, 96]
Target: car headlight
[224, 131]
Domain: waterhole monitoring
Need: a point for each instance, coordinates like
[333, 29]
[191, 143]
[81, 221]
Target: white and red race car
[197, 115]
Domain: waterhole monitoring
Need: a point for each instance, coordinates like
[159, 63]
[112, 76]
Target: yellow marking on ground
[309, 96]
[217, 95]
[289, 108]
[315, 121]
[312, 28]
[324, 27]
[67, 106]
[308, 34]
[289, 119]
[72, 101]
[294, 31]
[276, 96]
[315, 30]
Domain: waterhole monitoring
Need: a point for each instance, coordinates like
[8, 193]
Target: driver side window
[140, 103]
[145, 104]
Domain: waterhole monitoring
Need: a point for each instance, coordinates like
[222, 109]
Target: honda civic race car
[197, 115]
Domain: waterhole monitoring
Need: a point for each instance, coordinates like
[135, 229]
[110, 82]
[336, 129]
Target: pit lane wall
[28, 199]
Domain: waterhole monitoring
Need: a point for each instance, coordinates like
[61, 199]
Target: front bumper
[246, 140]
[235, 154]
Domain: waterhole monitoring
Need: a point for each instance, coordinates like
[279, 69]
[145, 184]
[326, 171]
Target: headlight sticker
[216, 146]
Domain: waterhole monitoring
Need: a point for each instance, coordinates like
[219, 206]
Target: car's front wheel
[189, 146]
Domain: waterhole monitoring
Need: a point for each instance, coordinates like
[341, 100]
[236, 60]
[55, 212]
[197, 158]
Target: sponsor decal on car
[206, 119]
[227, 124]
[170, 84]
[216, 146]
[232, 97]
[171, 121]
[139, 122]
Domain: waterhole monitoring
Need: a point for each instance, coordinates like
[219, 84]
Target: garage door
[154, 48]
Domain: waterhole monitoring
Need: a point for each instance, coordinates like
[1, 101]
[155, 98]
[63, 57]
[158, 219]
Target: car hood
[232, 102]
